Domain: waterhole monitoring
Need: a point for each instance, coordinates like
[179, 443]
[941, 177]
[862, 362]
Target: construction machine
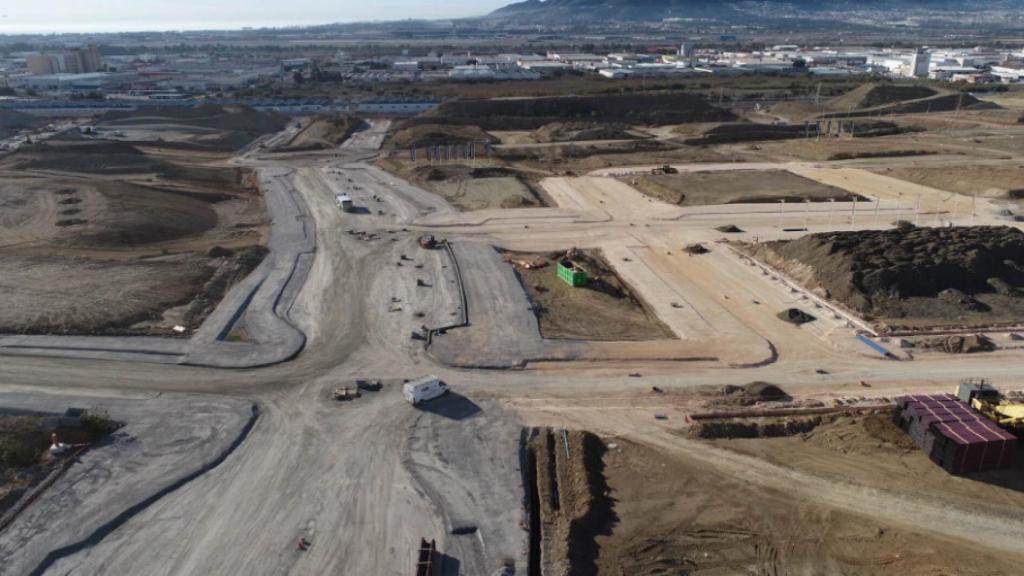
[981, 395]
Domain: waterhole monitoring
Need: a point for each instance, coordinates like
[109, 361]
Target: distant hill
[654, 10]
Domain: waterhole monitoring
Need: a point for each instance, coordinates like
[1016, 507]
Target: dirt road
[364, 481]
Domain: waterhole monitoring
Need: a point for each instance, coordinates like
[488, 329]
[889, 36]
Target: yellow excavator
[985, 398]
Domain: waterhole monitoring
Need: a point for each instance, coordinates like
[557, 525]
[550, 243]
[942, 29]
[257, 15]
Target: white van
[426, 388]
[345, 203]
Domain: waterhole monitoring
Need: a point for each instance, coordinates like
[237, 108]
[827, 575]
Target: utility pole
[807, 211]
[878, 202]
[782, 203]
[831, 205]
[853, 213]
[917, 210]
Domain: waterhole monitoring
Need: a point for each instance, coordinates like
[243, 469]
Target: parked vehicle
[424, 389]
[345, 203]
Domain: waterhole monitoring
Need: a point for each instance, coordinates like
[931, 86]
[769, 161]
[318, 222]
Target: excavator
[981, 395]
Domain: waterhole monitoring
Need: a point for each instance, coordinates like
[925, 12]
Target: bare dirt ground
[738, 506]
[708, 188]
[674, 515]
[986, 181]
[474, 187]
[97, 237]
[605, 309]
[584, 157]
[872, 451]
[847, 149]
[61, 295]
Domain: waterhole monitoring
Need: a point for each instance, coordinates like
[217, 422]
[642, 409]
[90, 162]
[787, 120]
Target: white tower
[919, 63]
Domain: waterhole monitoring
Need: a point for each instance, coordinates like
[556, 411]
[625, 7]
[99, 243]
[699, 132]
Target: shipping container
[955, 435]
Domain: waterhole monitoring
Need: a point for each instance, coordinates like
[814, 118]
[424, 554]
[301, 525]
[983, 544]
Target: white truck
[424, 389]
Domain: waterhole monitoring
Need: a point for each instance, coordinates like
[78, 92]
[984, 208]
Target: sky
[36, 16]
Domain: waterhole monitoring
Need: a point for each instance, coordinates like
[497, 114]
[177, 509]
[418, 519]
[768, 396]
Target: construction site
[538, 337]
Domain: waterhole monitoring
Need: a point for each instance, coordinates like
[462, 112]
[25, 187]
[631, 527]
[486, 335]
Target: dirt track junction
[272, 458]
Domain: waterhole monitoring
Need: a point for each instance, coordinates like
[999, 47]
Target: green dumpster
[571, 274]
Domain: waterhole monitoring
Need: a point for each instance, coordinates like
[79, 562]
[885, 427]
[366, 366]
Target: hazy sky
[123, 15]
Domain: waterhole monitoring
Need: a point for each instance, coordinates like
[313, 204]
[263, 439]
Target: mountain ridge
[655, 10]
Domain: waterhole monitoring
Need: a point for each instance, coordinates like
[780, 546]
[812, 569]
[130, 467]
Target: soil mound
[888, 272]
[11, 121]
[322, 133]
[238, 125]
[533, 113]
[236, 118]
[796, 316]
[433, 134]
[754, 428]
[120, 159]
[748, 394]
[871, 95]
[582, 131]
[747, 132]
[958, 344]
[765, 391]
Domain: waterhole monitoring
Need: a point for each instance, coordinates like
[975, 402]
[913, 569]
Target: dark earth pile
[583, 131]
[796, 316]
[940, 273]
[748, 132]
[238, 125]
[871, 95]
[657, 108]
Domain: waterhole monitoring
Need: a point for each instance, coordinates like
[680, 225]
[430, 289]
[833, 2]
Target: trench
[533, 509]
[552, 472]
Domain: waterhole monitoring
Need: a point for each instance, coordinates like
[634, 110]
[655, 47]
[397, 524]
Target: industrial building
[84, 60]
[42, 64]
